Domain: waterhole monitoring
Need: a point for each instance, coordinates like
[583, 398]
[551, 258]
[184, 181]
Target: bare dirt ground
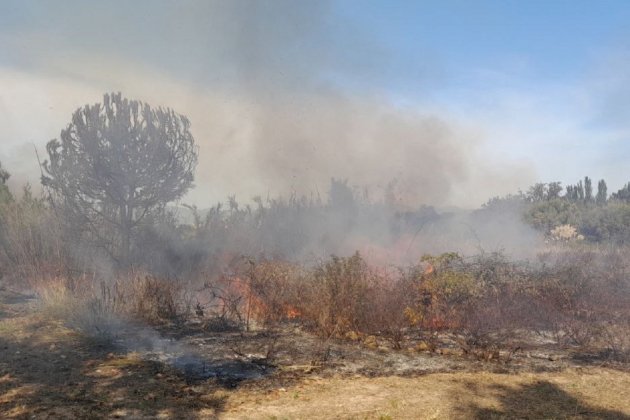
[50, 371]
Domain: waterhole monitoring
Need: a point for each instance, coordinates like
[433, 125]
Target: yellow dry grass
[575, 394]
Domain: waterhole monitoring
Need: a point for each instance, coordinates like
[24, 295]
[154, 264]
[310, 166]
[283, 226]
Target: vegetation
[595, 217]
[117, 163]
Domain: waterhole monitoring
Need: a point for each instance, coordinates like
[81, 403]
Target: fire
[293, 313]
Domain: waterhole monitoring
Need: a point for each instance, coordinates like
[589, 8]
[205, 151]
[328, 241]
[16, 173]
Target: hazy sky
[456, 100]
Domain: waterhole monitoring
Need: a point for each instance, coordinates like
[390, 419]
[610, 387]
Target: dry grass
[49, 371]
[593, 393]
[99, 310]
[79, 308]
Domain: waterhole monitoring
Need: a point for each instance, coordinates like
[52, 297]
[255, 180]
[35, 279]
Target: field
[50, 371]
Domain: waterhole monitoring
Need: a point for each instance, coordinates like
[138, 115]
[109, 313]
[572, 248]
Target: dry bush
[221, 303]
[563, 294]
[274, 291]
[482, 300]
[579, 295]
[492, 322]
[388, 297]
[31, 240]
[141, 296]
[155, 299]
[336, 298]
[582, 296]
[498, 310]
[100, 309]
[445, 292]
[75, 302]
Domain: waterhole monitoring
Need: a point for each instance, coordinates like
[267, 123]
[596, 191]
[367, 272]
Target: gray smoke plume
[282, 96]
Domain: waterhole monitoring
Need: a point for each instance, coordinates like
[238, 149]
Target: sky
[452, 101]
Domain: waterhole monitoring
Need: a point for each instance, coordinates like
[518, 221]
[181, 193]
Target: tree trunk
[125, 224]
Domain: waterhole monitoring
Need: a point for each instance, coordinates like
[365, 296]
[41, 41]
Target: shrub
[274, 291]
[386, 316]
[565, 233]
[154, 299]
[444, 290]
[75, 303]
[31, 239]
[336, 298]
[498, 309]
[582, 296]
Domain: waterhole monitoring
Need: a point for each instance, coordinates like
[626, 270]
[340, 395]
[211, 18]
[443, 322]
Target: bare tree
[117, 163]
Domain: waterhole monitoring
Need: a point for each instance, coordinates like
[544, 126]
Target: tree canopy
[117, 163]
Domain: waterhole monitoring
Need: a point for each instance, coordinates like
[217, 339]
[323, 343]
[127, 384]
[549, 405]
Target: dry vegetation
[50, 371]
[450, 337]
[194, 329]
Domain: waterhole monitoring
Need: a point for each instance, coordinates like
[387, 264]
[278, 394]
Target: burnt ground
[287, 351]
[190, 371]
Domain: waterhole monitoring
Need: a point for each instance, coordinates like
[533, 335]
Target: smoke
[298, 144]
[282, 97]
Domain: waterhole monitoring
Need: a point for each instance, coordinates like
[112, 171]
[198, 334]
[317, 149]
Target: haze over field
[456, 103]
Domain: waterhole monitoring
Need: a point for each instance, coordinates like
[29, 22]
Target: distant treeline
[595, 215]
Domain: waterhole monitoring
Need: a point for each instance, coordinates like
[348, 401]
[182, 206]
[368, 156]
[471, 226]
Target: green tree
[549, 214]
[623, 194]
[580, 191]
[608, 223]
[588, 189]
[602, 192]
[553, 190]
[575, 192]
[116, 164]
[537, 192]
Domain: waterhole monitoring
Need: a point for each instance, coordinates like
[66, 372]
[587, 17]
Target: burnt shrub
[389, 297]
[221, 302]
[155, 299]
[481, 300]
[137, 295]
[337, 297]
[274, 291]
[498, 309]
[582, 297]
